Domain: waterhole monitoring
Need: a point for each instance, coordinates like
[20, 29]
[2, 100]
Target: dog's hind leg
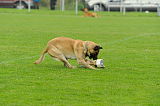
[41, 57]
[55, 53]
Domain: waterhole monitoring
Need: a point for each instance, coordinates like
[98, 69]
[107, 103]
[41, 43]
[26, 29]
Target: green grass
[131, 53]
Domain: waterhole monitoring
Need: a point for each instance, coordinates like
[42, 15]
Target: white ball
[100, 63]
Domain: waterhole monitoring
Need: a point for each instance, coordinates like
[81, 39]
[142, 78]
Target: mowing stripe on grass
[13, 60]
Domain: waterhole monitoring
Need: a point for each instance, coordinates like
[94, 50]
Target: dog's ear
[97, 48]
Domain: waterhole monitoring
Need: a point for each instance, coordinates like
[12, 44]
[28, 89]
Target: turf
[131, 51]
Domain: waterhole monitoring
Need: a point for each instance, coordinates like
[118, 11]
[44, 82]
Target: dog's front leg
[84, 63]
[79, 52]
[90, 62]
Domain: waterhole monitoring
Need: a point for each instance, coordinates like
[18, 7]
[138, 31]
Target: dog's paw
[93, 68]
[73, 67]
[36, 62]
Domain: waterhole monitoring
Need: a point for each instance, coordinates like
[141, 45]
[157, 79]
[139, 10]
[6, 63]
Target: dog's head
[92, 50]
[85, 9]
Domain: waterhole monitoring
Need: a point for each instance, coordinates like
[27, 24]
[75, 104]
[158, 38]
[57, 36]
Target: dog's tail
[42, 56]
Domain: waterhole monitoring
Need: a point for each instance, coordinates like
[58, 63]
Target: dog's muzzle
[93, 56]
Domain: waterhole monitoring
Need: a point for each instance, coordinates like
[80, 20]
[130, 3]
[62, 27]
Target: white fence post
[29, 5]
[121, 6]
[158, 9]
[124, 10]
[76, 7]
[108, 6]
[62, 5]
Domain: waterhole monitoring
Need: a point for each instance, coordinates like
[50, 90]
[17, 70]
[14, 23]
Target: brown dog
[89, 14]
[63, 48]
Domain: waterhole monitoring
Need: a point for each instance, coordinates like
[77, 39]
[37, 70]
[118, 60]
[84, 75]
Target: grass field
[131, 51]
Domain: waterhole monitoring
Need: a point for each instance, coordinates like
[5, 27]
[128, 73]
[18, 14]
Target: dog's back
[62, 43]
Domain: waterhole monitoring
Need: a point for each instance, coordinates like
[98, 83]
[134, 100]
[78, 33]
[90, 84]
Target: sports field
[131, 51]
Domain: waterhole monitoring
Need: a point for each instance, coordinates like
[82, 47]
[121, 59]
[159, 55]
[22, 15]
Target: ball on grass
[100, 63]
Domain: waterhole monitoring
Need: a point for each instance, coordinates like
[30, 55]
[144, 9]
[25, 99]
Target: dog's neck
[86, 48]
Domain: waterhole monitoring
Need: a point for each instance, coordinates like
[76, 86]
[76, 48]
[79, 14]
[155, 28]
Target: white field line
[114, 42]
[132, 37]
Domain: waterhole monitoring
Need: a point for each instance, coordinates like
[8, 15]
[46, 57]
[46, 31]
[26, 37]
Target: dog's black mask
[94, 55]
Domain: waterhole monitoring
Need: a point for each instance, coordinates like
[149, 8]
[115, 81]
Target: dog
[89, 14]
[63, 48]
